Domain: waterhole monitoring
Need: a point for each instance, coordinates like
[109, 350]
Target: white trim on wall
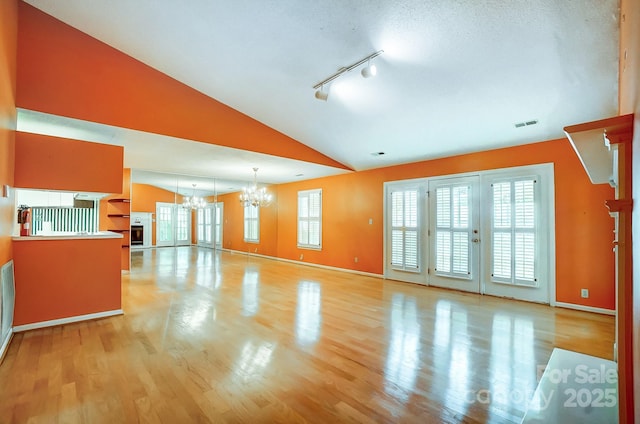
[68, 320]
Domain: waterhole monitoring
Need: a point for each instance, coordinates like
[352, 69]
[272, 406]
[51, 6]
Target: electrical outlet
[301, 256]
[584, 293]
[355, 259]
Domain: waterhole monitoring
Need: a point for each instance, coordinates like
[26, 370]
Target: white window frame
[418, 275]
[305, 196]
[248, 218]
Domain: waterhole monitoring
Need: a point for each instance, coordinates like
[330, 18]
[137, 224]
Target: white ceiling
[455, 76]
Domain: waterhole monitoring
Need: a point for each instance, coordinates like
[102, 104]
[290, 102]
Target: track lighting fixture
[321, 94]
[367, 72]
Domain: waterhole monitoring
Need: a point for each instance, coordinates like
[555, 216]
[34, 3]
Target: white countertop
[575, 388]
[59, 235]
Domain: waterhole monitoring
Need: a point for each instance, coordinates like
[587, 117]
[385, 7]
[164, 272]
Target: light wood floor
[227, 338]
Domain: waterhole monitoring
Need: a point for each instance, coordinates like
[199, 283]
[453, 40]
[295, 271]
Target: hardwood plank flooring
[210, 336]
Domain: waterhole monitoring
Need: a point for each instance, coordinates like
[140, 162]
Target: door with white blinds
[515, 235]
[217, 224]
[183, 225]
[405, 233]
[204, 226]
[173, 225]
[165, 229]
[454, 235]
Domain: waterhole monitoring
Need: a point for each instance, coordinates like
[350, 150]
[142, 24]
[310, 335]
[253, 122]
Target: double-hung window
[310, 219]
[251, 224]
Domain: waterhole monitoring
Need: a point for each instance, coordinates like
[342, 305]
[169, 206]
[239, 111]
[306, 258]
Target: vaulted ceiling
[455, 76]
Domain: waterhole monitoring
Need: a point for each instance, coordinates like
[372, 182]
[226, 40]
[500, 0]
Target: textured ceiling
[455, 76]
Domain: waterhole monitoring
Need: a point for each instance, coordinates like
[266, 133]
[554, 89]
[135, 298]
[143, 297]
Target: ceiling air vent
[526, 123]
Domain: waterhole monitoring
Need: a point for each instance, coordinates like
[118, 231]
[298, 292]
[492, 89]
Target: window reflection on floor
[250, 292]
[512, 340]
[451, 353]
[308, 318]
[458, 385]
[195, 316]
[253, 360]
[404, 348]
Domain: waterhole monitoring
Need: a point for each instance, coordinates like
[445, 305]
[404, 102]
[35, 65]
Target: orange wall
[98, 71]
[583, 225]
[630, 103]
[55, 163]
[8, 42]
[65, 278]
[144, 198]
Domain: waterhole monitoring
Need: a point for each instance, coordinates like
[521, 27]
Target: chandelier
[194, 202]
[253, 195]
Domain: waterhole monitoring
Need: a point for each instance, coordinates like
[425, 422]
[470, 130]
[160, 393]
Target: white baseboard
[333, 268]
[5, 345]
[68, 320]
[585, 308]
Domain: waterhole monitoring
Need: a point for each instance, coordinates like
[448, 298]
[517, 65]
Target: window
[514, 230]
[310, 219]
[404, 230]
[251, 224]
[453, 250]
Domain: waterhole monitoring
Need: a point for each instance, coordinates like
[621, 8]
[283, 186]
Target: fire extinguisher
[24, 219]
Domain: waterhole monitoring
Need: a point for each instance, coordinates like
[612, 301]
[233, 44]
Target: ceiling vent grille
[526, 123]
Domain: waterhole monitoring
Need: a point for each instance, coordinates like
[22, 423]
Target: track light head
[369, 71]
[321, 94]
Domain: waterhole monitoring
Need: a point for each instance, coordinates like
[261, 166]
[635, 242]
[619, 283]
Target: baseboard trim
[593, 309]
[68, 320]
[332, 268]
[5, 345]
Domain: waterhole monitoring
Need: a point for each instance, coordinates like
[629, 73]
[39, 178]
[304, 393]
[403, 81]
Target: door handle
[475, 240]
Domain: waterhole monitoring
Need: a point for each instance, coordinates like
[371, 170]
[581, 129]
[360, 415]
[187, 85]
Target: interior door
[454, 233]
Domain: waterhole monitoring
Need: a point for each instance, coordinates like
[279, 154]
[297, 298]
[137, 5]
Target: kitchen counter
[65, 278]
[60, 235]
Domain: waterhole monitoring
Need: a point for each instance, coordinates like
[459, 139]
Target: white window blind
[405, 230]
[453, 231]
[514, 231]
[310, 219]
[251, 224]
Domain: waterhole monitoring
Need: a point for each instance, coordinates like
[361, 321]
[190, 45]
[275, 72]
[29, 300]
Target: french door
[490, 232]
[173, 225]
[454, 234]
[204, 219]
[209, 225]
